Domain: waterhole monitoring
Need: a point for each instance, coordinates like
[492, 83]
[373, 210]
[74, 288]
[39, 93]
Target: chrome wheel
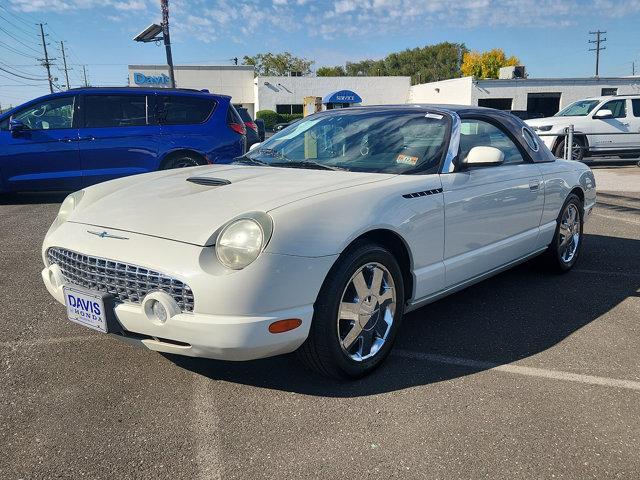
[569, 233]
[366, 313]
[576, 151]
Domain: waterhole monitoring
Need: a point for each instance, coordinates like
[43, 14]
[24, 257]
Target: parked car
[73, 139]
[261, 129]
[321, 238]
[525, 114]
[610, 116]
[253, 136]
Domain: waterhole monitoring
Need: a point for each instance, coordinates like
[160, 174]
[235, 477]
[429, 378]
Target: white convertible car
[320, 239]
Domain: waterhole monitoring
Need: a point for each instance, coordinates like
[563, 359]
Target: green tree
[337, 71]
[267, 64]
[486, 64]
[422, 64]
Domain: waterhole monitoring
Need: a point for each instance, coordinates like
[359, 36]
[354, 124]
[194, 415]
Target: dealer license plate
[86, 308]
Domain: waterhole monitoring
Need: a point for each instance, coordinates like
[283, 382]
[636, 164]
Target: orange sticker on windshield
[406, 159]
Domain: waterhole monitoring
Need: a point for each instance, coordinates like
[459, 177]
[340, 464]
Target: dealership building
[285, 94]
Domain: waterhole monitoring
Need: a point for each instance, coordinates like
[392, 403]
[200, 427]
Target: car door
[44, 155]
[610, 127]
[492, 213]
[117, 137]
[633, 118]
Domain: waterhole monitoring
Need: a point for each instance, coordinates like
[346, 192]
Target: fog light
[160, 307]
[159, 311]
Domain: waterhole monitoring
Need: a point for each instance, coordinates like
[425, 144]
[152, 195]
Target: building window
[609, 91]
[543, 104]
[289, 108]
[497, 103]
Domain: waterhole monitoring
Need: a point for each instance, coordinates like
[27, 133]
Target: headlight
[240, 243]
[544, 128]
[69, 204]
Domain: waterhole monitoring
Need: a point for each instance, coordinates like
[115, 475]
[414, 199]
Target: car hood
[553, 121]
[168, 205]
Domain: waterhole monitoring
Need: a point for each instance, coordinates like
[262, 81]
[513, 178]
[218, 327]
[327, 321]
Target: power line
[598, 41]
[22, 76]
[15, 70]
[15, 50]
[16, 16]
[22, 29]
[17, 39]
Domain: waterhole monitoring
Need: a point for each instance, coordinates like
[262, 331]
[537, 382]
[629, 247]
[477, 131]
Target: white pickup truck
[608, 116]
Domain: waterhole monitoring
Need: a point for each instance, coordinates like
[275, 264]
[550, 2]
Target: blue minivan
[73, 139]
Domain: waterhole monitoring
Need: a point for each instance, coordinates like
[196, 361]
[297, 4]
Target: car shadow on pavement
[33, 198]
[507, 318]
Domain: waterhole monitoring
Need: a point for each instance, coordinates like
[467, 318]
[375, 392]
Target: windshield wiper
[310, 164]
[246, 160]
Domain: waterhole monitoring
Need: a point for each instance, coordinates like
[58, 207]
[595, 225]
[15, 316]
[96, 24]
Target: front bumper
[232, 310]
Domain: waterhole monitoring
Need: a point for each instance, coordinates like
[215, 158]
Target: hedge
[271, 118]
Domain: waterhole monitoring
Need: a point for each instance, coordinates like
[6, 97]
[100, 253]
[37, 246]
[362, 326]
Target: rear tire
[357, 314]
[564, 250]
[183, 160]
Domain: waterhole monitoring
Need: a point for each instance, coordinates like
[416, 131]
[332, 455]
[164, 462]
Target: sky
[549, 37]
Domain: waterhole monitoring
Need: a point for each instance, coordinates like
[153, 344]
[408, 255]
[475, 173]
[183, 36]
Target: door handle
[534, 185]
[66, 140]
[90, 138]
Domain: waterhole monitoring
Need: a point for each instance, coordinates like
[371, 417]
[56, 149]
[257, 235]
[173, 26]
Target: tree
[422, 64]
[486, 64]
[267, 64]
[331, 71]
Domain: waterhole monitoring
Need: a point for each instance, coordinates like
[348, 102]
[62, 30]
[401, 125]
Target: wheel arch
[579, 193]
[397, 245]
[580, 135]
[168, 156]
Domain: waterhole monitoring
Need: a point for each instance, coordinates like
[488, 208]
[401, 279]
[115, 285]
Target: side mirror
[603, 114]
[254, 146]
[16, 126]
[483, 156]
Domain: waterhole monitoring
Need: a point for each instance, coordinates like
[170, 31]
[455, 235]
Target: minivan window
[54, 113]
[636, 107]
[115, 111]
[183, 110]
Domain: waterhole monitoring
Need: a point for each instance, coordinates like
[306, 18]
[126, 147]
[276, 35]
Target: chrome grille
[128, 283]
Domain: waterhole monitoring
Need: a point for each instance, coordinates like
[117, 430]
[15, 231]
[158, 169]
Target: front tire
[577, 149]
[566, 245]
[357, 314]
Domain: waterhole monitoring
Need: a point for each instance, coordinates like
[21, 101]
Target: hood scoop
[208, 181]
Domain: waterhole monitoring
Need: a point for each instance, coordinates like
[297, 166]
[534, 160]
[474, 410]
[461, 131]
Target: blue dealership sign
[342, 96]
[142, 79]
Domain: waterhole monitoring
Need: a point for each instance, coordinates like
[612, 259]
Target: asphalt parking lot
[526, 375]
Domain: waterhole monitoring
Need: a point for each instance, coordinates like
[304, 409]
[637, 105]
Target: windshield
[358, 141]
[580, 108]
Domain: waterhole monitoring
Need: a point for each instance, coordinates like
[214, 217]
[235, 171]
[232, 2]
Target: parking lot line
[206, 427]
[520, 370]
[597, 272]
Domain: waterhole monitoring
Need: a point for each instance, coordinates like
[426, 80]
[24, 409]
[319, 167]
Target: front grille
[126, 282]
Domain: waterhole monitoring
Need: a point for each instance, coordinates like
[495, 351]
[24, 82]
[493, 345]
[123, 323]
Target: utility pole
[64, 61]
[598, 41]
[46, 63]
[633, 68]
[164, 4]
[84, 72]
[235, 60]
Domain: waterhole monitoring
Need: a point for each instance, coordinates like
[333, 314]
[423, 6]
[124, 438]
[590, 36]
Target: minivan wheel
[357, 314]
[181, 161]
[565, 247]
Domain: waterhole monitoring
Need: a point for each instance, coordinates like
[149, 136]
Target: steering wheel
[364, 146]
[40, 111]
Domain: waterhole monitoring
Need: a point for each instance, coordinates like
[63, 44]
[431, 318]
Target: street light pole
[164, 4]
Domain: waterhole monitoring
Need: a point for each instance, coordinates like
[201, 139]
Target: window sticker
[407, 159]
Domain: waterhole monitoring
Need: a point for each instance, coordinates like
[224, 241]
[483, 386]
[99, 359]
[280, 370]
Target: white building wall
[236, 81]
[272, 91]
[571, 89]
[456, 91]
